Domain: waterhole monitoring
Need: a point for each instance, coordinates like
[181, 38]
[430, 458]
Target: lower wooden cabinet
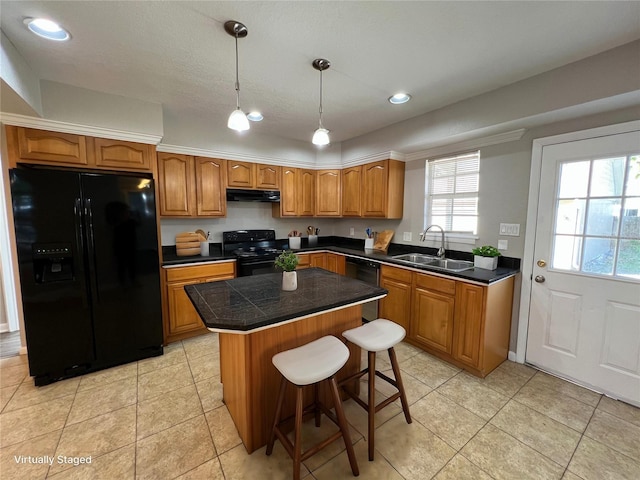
[181, 319]
[318, 260]
[303, 261]
[396, 306]
[334, 262]
[462, 323]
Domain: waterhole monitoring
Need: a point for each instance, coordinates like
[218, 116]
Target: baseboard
[512, 356]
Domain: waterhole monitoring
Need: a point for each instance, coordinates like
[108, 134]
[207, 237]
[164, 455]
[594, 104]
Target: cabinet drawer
[436, 283]
[396, 273]
[218, 271]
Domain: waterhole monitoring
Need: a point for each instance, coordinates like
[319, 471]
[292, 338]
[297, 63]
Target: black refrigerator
[89, 274]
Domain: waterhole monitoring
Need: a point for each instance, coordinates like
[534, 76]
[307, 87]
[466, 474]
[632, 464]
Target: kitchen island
[256, 319]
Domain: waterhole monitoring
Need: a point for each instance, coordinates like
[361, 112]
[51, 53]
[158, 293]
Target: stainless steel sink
[435, 263]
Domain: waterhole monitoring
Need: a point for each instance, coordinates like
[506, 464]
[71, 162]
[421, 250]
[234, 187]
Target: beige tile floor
[163, 418]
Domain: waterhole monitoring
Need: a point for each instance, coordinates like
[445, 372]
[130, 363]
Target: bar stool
[377, 336]
[311, 364]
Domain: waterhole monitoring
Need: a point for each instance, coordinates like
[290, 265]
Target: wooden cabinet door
[306, 193]
[50, 147]
[241, 174]
[211, 198]
[328, 193]
[183, 317]
[121, 155]
[352, 192]
[303, 261]
[175, 185]
[268, 177]
[396, 306]
[375, 189]
[432, 319]
[318, 260]
[336, 263]
[468, 323]
[289, 192]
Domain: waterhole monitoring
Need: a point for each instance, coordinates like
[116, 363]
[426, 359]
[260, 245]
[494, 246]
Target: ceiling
[177, 53]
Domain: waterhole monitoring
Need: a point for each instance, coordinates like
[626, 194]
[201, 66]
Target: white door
[584, 316]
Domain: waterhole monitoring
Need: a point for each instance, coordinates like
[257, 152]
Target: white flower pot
[488, 263]
[289, 281]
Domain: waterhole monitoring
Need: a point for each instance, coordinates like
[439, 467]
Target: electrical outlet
[503, 244]
[352, 231]
[510, 229]
[406, 236]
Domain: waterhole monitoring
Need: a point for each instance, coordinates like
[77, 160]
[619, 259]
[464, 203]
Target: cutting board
[188, 243]
[382, 240]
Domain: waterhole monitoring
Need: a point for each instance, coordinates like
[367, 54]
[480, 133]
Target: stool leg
[344, 427]
[297, 446]
[396, 373]
[316, 404]
[276, 419]
[372, 403]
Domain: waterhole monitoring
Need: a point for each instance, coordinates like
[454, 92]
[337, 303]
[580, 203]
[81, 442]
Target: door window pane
[633, 179]
[631, 218]
[574, 178]
[566, 252]
[607, 177]
[599, 254]
[603, 217]
[570, 216]
[629, 259]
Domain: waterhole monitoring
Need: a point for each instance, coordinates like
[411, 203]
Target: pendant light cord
[320, 110]
[237, 78]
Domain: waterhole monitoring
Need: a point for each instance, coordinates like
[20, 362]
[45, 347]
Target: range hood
[238, 195]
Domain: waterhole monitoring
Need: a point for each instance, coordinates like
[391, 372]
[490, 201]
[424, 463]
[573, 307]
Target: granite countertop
[507, 266]
[247, 303]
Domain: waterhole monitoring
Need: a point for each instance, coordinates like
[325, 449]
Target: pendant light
[321, 135]
[237, 120]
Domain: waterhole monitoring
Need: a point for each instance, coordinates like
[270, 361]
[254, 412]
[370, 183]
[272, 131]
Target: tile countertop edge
[291, 320]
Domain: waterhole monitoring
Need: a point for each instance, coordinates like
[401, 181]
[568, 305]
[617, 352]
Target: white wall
[20, 86]
[89, 107]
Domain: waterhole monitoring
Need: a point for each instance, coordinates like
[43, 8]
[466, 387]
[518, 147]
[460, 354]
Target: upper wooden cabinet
[30, 145]
[383, 189]
[190, 187]
[268, 177]
[120, 155]
[297, 193]
[352, 192]
[328, 193]
[252, 175]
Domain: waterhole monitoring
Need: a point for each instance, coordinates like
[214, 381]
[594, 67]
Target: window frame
[457, 236]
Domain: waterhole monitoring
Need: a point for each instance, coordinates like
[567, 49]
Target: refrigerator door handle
[77, 215]
[91, 250]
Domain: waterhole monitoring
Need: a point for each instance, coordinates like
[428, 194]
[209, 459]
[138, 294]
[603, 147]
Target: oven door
[255, 266]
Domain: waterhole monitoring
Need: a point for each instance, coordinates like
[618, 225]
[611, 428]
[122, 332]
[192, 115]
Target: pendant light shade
[237, 120]
[321, 135]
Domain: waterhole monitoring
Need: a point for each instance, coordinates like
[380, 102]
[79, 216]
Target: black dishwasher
[367, 271]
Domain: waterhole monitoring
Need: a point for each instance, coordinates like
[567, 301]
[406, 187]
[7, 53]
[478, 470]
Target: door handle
[540, 278]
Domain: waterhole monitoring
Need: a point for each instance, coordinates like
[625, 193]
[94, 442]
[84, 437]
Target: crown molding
[471, 144]
[201, 152]
[75, 128]
[375, 157]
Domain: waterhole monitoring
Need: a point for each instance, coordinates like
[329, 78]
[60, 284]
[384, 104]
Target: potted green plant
[288, 261]
[485, 257]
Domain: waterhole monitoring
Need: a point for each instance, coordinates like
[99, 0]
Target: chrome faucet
[423, 235]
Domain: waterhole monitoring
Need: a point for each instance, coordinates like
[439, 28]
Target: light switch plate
[352, 231]
[406, 236]
[510, 229]
[503, 244]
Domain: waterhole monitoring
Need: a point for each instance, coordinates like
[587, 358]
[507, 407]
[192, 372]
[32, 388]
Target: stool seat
[376, 336]
[313, 362]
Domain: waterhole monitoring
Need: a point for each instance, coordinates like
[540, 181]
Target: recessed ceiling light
[47, 29]
[255, 116]
[399, 98]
